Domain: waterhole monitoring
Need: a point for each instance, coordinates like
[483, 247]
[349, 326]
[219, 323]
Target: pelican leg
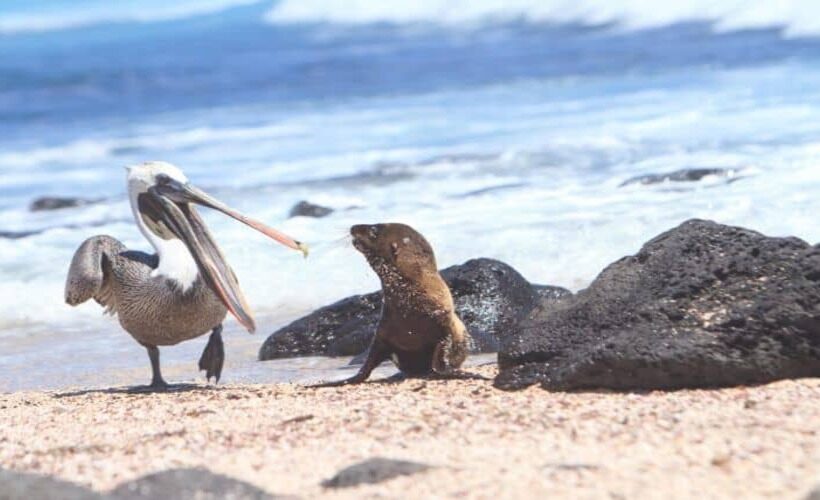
[213, 357]
[157, 382]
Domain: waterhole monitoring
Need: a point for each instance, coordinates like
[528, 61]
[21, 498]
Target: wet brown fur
[419, 328]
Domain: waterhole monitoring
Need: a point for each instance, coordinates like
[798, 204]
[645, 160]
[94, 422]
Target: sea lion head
[394, 248]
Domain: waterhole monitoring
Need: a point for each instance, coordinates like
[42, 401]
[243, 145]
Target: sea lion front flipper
[450, 351]
[378, 353]
[441, 354]
[448, 357]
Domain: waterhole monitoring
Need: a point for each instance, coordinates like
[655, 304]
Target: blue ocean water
[498, 129]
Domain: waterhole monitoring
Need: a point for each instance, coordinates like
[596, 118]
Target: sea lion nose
[359, 230]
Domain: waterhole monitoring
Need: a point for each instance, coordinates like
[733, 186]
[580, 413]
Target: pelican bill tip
[302, 247]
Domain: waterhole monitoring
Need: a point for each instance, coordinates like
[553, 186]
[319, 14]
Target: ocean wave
[80, 15]
[796, 17]
[90, 150]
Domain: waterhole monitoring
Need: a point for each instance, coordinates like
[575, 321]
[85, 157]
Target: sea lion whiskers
[344, 241]
[331, 248]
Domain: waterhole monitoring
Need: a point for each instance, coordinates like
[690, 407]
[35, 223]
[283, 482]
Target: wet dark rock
[702, 305]
[59, 202]
[374, 470]
[188, 484]
[683, 175]
[551, 293]
[458, 158]
[380, 175]
[308, 209]
[333, 330]
[128, 150]
[490, 297]
[491, 189]
[25, 486]
[16, 235]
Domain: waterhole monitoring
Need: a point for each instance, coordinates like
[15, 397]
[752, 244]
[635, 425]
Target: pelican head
[163, 203]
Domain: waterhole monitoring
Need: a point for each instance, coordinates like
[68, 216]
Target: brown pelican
[181, 292]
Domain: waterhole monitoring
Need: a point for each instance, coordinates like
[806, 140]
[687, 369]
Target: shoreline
[99, 353]
[481, 442]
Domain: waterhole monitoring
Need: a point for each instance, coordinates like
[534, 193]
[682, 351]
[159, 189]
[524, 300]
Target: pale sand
[740, 443]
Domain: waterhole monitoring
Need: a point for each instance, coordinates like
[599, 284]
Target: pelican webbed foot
[213, 357]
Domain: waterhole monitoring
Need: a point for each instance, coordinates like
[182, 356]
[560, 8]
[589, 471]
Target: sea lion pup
[419, 328]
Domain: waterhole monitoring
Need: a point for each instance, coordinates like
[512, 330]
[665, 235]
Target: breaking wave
[796, 17]
[85, 13]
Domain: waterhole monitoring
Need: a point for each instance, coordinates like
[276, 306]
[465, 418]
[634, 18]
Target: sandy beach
[480, 442]
[618, 194]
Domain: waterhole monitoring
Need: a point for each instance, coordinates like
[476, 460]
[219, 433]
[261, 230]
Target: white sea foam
[83, 151]
[799, 17]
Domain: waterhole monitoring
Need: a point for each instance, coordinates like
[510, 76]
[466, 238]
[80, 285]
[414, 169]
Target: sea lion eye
[373, 233]
[395, 248]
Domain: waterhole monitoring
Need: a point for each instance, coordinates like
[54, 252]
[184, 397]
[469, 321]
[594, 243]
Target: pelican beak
[186, 193]
[170, 205]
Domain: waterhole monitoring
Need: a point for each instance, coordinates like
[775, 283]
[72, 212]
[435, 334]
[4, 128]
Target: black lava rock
[335, 330]
[702, 305]
[25, 486]
[683, 175]
[490, 297]
[308, 209]
[182, 484]
[188, 484]
[59, 202]
[374, 470]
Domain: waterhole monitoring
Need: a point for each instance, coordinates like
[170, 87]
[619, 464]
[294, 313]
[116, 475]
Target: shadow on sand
[141, 389]
[401, 377]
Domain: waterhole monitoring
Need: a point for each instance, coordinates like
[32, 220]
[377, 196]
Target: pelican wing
[90, 273]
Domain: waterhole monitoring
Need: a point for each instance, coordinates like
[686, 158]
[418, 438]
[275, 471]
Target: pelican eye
[162, 179]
